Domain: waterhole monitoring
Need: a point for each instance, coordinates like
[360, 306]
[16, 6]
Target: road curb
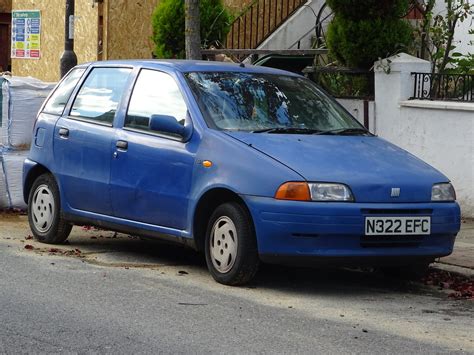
[464, 271]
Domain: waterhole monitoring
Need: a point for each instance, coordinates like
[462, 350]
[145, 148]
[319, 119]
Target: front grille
[390, 241]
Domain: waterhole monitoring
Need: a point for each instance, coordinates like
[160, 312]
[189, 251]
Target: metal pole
[68, 58]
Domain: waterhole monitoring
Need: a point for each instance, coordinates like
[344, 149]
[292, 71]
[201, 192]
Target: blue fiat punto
[246, 164]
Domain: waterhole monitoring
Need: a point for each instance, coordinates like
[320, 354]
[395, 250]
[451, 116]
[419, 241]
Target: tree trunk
[425, 32]
[192, 29]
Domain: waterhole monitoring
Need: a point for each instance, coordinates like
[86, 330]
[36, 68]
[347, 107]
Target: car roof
[194, 65]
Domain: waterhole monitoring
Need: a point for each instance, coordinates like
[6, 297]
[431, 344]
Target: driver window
[155, 93]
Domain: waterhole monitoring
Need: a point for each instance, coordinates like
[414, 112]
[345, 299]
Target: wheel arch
[30, 178]
[207, 203]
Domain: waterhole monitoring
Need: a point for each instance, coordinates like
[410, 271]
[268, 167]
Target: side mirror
[169, 124]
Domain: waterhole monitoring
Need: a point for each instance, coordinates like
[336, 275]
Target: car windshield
[270, 103]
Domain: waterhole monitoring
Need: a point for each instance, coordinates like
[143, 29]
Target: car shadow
[132, 251]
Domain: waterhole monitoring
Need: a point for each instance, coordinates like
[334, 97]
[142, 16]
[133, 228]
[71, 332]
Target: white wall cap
[439, 105]
[402, 62]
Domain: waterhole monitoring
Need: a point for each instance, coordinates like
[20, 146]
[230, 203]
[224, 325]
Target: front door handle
[122, 145]
[63, 132]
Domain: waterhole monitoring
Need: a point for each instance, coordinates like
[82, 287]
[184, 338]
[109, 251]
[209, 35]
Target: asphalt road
[106, 293]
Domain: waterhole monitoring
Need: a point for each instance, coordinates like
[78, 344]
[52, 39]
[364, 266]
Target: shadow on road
[135, 252]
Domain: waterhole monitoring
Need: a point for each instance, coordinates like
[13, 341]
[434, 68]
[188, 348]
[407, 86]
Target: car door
[151, 172]
[83, 140]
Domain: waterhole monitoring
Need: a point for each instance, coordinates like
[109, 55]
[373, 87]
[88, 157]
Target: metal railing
[448, 87]
[258, 21]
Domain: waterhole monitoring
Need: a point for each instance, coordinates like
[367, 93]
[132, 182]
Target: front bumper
[335, 231]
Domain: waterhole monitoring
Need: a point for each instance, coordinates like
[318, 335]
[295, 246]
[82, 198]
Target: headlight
[443, 192]
[323, 192]
[330, 192]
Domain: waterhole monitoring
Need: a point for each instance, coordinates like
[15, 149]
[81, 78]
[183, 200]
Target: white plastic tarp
[21, 97]
[11, 176]
[4, 201]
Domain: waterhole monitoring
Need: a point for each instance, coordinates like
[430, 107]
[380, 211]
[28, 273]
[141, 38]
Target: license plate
[397, 225]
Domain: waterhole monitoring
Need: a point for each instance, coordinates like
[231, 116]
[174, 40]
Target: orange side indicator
[207, 163]
[296, 191]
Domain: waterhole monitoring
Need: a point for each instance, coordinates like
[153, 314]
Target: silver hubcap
[223, 244]
[42, 208]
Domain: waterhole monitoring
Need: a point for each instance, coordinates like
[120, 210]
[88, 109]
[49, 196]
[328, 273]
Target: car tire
[44, 212]
[231, 247]
[411, 272]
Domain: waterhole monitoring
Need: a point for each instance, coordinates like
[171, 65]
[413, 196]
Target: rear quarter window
[58, 100]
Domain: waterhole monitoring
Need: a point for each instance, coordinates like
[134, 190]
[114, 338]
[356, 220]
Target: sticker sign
[26, 34]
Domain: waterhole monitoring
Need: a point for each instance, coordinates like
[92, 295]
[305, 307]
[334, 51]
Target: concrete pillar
[394, 83]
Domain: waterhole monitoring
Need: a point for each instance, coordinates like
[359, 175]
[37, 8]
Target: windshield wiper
[296, 130]
[346, 131]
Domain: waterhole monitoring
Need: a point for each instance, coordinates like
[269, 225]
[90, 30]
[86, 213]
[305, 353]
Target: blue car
[245, 164]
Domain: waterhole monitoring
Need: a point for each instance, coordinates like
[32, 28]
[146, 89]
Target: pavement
[462, 258]
[111, 293]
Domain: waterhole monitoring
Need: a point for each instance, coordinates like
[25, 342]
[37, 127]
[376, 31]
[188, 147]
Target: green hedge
[363, 31]
[168, 26]
[367, 9]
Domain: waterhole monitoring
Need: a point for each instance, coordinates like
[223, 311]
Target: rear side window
[60, 97]
[100, 94]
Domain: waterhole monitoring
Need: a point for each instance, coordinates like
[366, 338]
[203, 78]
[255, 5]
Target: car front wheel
[44, 214]
[231, 246]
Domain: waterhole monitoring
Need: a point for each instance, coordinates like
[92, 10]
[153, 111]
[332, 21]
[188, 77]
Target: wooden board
[52, 37]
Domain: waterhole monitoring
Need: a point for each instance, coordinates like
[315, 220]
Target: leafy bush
[360, 43]
[366, 9]
[168, 26]
[363, 31]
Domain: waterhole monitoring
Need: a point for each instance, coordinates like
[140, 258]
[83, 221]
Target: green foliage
[363, 31]
[360, 43]
[340, 84]
[461, 64]
[168, 26]
[366, 9]
[436, 33]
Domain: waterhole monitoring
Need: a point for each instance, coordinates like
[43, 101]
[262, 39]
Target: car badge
[395, 192]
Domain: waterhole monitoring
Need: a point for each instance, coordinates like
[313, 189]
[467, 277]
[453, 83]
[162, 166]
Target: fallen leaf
[29, 247]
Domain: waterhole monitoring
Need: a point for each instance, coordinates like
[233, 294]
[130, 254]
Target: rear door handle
[122, 145]
[64, 132]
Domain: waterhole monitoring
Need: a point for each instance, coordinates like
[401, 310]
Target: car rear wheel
[44, 213]
[231, 246]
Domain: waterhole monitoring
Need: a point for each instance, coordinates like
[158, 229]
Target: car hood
[370, 166]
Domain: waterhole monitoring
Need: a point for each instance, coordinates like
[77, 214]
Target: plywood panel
[86, 31]
[52, 40]
[52, 37]
[5, 5]
[129, 29]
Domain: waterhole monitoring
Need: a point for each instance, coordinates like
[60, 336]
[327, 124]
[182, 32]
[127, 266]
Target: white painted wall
[295, 27]
[356, 109]
[441, 133]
